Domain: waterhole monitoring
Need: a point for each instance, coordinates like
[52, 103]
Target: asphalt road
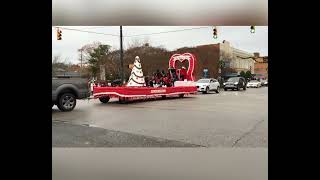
[227, 119]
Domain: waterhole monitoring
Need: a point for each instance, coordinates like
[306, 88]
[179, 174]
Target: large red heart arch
[184, 57]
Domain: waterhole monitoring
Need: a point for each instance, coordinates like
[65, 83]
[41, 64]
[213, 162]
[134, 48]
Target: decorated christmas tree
[136, 78]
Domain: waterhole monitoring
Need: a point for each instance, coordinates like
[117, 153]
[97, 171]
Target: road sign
[205, 73]
[130, 66]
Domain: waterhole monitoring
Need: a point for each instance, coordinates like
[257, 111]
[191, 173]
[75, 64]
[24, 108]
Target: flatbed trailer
[126, 94]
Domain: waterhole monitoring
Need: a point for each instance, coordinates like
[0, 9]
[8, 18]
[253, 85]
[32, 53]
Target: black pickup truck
[66, 91]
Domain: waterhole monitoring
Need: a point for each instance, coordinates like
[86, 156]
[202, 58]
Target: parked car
[264, 82]
[208, 84]
[254, 83]
[66, 90]
[235, 83]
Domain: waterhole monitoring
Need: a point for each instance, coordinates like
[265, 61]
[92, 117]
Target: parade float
[138, 88]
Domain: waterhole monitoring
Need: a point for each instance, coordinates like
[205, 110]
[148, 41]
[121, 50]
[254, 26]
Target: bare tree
[136, 42]
[56, 59]
[84, 51]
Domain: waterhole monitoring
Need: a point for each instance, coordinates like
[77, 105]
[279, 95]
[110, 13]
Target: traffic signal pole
[121, 57]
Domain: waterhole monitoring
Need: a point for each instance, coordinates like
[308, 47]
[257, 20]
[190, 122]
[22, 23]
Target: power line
[131, 35]
[166, 32]
[93, 27]
[88, 31]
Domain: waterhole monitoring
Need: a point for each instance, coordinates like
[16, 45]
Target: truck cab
[66, 91]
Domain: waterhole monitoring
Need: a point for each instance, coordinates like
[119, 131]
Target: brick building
[208, 56]
[261, 65]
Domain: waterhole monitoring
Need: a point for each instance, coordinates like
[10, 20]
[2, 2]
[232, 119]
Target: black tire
[67, 102]
[104, 99]
[163, 96]
[225, 89]
[238, 88]
[218, 89]
[181, 95]
[244, 88]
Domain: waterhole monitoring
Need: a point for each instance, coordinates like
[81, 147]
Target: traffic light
[59, 34]
[215, 33]
[252, 29]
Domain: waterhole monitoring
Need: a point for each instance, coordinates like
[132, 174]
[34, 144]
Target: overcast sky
[238, 36]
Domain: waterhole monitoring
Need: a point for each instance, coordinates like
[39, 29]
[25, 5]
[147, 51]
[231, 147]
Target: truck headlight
[236, 83]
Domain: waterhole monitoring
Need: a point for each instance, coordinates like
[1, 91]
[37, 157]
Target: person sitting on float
[159, 75]
[146, 79]
[156, 79]
[172, 76]
[151, 82]
[163, 77]
[163, 73]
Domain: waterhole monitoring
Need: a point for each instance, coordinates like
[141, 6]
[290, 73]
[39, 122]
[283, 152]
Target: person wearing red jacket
[183, 73]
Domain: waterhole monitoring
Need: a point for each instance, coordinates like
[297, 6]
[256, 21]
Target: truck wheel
[163, 96]
[181, 95]
[67, 102]
[104, 99]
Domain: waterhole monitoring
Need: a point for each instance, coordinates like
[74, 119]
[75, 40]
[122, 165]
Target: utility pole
[121, 57]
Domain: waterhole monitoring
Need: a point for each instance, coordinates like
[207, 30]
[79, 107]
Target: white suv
[207, 85]
[254, 83]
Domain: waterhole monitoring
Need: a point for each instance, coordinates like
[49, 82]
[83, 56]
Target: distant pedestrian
[91, 87]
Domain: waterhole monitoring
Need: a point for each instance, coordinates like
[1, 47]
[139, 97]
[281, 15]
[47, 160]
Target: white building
[236, 59]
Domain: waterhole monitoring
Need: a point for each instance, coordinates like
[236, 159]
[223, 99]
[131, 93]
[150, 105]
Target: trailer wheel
[104, 99]
[181, 95]
[163, 96]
